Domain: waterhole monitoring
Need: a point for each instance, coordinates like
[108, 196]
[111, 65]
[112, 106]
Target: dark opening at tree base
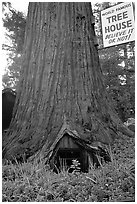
[65, 158]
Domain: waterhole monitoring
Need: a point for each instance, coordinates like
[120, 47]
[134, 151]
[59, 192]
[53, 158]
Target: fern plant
[75, 165]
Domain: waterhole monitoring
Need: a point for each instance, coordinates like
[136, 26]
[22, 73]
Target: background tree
[61, 82]
[118, 65]
[14, 22]
[119, 80]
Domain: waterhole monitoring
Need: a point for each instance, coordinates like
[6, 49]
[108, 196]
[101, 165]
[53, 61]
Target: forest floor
[111, 182]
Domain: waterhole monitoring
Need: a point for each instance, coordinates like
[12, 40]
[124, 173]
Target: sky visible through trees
[21, 6]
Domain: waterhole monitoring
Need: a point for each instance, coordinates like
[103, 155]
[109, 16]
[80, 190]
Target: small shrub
[75, 165]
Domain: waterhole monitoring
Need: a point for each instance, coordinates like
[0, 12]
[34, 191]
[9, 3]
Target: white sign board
[118, 25]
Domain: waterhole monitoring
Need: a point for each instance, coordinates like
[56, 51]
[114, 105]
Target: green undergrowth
[35, 182]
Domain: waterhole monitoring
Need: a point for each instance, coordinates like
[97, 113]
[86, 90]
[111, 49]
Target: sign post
[118, 24]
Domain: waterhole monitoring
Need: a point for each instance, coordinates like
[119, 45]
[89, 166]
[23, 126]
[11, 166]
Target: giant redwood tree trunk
[61, 83]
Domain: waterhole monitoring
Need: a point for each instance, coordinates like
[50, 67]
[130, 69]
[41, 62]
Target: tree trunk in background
[61, 81]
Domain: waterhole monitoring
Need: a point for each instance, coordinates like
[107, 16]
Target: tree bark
[61, 81]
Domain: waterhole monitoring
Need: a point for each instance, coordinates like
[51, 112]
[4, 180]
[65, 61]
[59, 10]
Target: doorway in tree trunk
[65, 159]
[67, 151]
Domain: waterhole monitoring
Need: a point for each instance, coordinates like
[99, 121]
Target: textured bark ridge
[61, 85]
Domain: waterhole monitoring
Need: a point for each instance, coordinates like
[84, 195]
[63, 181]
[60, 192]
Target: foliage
[11, 77]
[119, 79]
[35, 182]
[14, 22]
